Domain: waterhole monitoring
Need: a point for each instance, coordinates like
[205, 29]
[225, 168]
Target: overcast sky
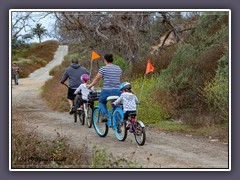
[47, 22]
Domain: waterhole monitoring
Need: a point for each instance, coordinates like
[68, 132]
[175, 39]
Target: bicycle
[137, 128]
[115, 121]
[85, 115]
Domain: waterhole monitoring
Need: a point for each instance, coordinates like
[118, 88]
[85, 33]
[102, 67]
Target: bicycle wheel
[75, 115]
[101, 128]
[119, 125]
[88, 118]
[139, 134]
[81, 117]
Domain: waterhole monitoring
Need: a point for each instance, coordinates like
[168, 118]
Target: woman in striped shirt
[111, 80]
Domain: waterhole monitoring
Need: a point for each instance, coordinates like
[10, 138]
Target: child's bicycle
[115, 121]
[137, 128]
[85, 115]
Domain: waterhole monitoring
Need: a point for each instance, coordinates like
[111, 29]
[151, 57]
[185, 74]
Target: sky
[47, 22]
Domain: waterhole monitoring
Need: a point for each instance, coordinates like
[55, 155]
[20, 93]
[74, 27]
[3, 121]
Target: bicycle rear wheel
[101, 128]
[88, 118]
[139, 134]
[119, 125]
[81, 117]
[75, 115]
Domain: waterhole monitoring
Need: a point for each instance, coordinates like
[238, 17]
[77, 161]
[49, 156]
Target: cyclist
[129, 100]
[84, 91]
[110, 74]
[73, 73]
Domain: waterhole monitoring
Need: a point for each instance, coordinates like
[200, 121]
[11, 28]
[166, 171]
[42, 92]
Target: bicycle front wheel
[101, 128]
[139, 134]
[88, 118]
[119, 125]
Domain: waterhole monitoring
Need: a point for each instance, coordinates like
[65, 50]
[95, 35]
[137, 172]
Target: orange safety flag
[95, 55]
[149, 68]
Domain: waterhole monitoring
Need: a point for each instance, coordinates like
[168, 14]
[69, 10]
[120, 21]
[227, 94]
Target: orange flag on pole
[149, 68]
[95, 55]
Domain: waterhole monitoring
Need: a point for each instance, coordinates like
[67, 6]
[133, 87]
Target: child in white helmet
[129, 100]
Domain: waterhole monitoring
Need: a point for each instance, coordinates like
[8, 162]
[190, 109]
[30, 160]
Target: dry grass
[37, 56]
[55, 96]
[31, 151]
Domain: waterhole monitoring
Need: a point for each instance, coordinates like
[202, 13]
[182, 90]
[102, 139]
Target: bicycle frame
[110, 114]
[115, 120]
[86, 106]
[137, 128]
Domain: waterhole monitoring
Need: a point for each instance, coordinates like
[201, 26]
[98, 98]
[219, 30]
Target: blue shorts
[71, 94]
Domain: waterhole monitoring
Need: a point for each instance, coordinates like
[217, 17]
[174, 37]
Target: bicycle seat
[112, 98]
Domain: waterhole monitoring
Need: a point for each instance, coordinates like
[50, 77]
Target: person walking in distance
[15, 73]
[73, 73]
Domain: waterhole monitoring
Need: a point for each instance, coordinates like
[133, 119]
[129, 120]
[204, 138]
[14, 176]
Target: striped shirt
[111, 76]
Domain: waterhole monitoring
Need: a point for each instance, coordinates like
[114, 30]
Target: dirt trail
[161, 150]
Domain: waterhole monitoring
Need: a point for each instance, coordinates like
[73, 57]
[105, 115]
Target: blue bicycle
[115, 121]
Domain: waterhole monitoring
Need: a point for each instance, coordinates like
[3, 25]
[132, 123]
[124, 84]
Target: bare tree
[110, 31]
[121, 32]
[20, 22]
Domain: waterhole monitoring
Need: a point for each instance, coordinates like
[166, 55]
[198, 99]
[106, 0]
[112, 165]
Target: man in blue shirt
[73, 73]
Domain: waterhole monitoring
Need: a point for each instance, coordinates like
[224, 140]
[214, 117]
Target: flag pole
[149, 69]
[91, 69]
[140, 96]
[94, 56]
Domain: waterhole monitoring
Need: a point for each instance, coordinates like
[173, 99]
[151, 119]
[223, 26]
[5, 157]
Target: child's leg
[126, 116]
[126, 119]
[78, 101]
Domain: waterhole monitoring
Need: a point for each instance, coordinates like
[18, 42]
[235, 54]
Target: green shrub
[196, 64]
[118, 60]
[176, 76]
[73, 55]
[216, 90]
[150, 109]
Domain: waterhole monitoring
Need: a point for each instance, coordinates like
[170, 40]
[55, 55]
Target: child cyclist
[129, 100]
[84, 92]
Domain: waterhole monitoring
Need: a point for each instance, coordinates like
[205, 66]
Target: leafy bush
[176, 76]
[216, 90]
[150, 109]
[118, 60]
[193, 65]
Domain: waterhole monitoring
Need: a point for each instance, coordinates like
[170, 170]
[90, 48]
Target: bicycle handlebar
[65, 85]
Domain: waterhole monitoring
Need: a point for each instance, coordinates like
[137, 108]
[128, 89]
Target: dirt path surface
[161, 150]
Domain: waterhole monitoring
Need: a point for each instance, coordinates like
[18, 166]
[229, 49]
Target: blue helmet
[125, 85]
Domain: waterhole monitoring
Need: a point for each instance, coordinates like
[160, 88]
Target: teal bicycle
[115, 121]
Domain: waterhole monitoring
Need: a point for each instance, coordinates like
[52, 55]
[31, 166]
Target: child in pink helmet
[84, 90]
